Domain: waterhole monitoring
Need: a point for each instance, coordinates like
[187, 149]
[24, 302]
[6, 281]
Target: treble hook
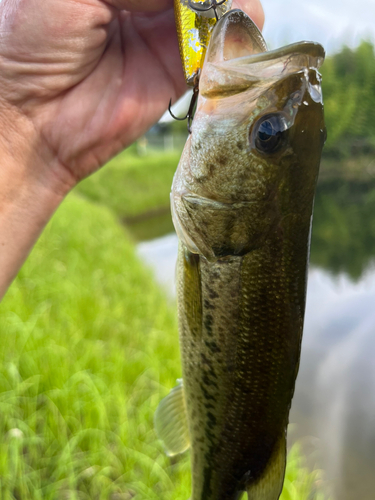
[189, 115]
[214, 5]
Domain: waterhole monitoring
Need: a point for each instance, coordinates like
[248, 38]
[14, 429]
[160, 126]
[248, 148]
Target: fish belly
[240, 321]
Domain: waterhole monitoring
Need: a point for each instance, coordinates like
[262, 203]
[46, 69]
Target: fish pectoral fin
[171, 423]
[270, 484]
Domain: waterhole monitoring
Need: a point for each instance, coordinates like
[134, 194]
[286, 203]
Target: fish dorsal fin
[171, 422]
[270, 484]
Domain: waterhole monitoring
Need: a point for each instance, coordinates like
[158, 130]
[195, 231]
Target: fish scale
[239, 321]
[209, 358]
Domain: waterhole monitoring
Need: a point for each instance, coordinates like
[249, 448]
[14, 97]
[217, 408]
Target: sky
[333, 23]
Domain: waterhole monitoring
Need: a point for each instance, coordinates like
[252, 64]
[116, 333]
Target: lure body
[194, 30]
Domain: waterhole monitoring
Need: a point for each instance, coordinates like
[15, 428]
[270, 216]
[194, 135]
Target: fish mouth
[237, 39]
[302, 49]
[230, 69]
[277, 63]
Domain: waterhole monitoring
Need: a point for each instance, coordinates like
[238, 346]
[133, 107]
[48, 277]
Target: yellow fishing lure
[195, 20]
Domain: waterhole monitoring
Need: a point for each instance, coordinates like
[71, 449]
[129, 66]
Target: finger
[253, 8]
[141, 5]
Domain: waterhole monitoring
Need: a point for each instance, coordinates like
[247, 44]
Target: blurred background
[89, 332]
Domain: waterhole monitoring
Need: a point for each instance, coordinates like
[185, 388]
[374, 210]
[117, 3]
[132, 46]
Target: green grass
[132, 185]
[89, 347]
[300, 482]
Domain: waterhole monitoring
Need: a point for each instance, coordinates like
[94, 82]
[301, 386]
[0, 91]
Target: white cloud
[330, 22]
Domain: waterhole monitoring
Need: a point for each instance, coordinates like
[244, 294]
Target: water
[335, 392]
[333, 412]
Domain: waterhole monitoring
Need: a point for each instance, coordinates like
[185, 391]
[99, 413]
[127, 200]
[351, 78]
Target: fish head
[252, 159]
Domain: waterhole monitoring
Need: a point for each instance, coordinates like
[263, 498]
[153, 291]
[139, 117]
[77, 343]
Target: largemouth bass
[242, 201]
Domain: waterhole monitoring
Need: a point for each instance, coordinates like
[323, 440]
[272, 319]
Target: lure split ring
[214, 5]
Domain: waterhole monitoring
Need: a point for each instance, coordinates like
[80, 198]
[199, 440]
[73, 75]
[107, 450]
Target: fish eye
[270, 133]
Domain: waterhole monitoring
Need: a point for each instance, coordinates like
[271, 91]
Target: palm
[127, 91]
[108, 93]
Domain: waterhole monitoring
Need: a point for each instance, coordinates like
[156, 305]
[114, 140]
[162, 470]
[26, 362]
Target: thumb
[253, 8]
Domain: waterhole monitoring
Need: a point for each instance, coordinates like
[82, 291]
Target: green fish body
[242, 201]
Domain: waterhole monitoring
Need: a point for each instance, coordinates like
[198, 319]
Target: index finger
[140, 5]
[252, 7]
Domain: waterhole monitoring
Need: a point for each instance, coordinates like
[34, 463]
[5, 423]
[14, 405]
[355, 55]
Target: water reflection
[343, 237]
[161, 256]
[335, 393]
[151, 227]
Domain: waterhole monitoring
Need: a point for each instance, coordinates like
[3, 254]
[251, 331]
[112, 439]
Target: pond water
[333, 412]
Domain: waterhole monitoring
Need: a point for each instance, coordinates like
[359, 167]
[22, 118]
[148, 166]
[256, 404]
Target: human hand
[87, 77]
[79, 81]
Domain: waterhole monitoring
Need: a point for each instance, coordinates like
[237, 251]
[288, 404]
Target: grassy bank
[132, 185]
[89, 346]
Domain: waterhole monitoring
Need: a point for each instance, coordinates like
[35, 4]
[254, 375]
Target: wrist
[27, 160]
[32, 185]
